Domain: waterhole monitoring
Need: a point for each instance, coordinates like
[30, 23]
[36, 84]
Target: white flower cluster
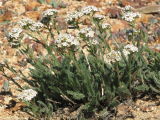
[36, 26]
[89, 9]
[127, 8]
[112, 56]
[84, 11]
[131, 48]
[25, 22]
[30, 24]
[27, 94]
[15, 33]
[105, 25]
[66, 40]
[116, 55]
[98, 16]
[88, 32]
[130, 16]
[74, 15]
[49, 12]
[94, 41]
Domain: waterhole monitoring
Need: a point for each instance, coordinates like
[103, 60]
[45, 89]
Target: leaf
[123, 91]
[76, 95]
[6, 86]
[142, 88]
[103, 113]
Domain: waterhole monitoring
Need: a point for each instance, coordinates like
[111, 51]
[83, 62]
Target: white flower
[66, 40]
[128, 8]
[30, 24]
[94, 42]
[130, 16]
[74, 16]
[49, 12]
[78, 14]
[105, 25]
[98, 16]
[25, 22]
[1, 3]
[85, 30]
[27, 94]
[131, 48]
[36, 26]
[126, 53]
[65, 44]
[89, 9]
[75, 42]
[116, 55]
[15, 33]
[88, 32]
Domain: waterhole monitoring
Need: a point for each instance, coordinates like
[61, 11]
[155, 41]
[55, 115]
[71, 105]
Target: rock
[149, 9]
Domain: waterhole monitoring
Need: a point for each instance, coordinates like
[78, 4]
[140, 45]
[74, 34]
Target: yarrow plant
[129, 15]
[83, 70]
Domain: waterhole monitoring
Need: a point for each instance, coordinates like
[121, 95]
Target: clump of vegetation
[82, 70]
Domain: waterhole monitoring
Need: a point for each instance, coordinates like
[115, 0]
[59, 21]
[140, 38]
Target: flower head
[89, 9]
[88, 32]
[98, 16]
[36, 26]
[105, 25]
[116, 55]
[131, 48]
[94, 41]
[128, 8]
[78, 14]
[27, 94]
[30, 24]
[26, 22]
[74, 16]
[66, 40]
[130, 16]
[49, 13]
[15, 33]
